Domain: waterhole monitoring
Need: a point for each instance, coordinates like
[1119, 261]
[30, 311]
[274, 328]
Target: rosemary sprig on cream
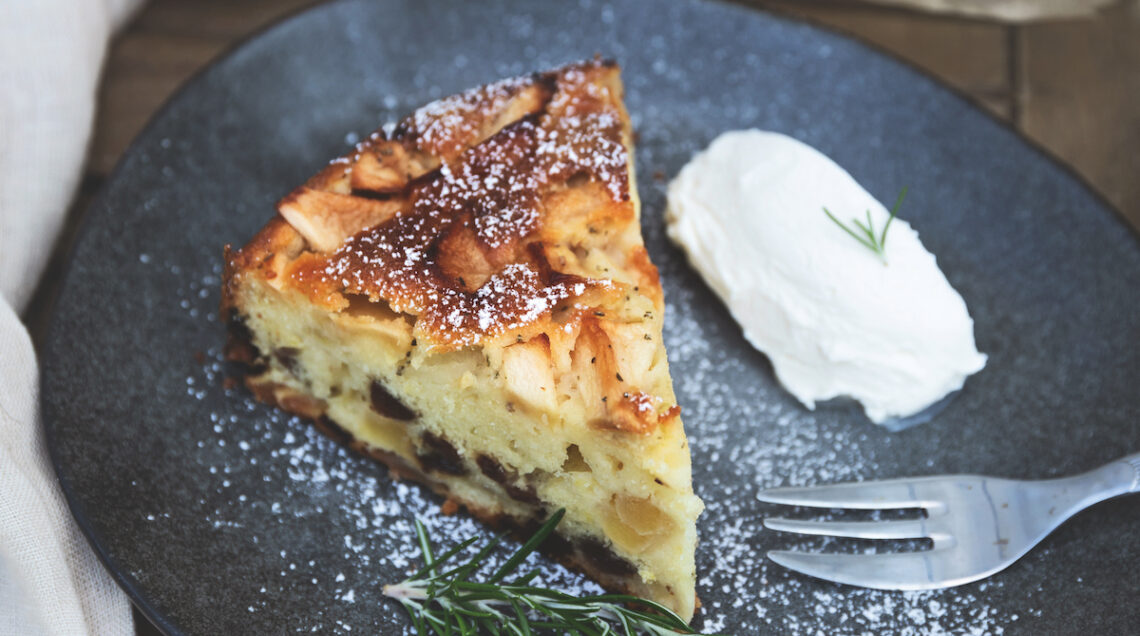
[866, 233]
[445, 601]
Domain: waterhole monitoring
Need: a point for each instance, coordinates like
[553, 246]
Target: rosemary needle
[441, 599]
[866, 232]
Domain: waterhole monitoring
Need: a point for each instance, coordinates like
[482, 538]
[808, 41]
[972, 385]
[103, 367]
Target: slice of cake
[467, 298]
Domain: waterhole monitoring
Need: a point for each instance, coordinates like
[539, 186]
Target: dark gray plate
[219, 515]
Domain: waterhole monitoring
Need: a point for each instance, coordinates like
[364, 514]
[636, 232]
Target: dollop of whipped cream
[835, 318]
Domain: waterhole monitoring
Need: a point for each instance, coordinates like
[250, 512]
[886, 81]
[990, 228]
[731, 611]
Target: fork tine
[895, 571]
[902, 529]
[868, 495]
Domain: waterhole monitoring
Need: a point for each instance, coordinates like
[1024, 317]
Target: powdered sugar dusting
[463, 259]
[745, 435]
[308, 470]
[766, 438]
[368, 539]
[585, 134]
[445, 126]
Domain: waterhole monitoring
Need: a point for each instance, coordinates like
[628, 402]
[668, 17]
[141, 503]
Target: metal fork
[979, 525]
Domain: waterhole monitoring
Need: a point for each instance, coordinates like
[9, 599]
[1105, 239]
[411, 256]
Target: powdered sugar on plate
[745, 435]
[312, 478]
[767, 440]
[267, 478]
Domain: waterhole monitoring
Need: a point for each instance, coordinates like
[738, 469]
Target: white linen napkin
[51, 52]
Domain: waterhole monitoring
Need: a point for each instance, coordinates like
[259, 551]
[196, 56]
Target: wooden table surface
[1072, 86]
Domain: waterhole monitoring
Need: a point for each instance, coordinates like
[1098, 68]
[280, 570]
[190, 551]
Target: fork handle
[1075, 493]
[1111, 480]
[1133, 460]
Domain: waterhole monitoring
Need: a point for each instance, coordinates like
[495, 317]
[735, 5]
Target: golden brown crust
[491, 218]
[453, 217]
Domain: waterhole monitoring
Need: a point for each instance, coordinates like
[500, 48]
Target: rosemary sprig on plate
[442, 599]
[866, 233]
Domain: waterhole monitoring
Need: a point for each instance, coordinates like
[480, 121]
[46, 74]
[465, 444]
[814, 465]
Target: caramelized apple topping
[463, 253]
[327, 219]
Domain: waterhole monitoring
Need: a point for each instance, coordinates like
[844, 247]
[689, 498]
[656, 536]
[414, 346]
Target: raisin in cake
[467, 298]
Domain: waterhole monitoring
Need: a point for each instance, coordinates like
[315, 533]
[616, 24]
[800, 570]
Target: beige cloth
[51, 52]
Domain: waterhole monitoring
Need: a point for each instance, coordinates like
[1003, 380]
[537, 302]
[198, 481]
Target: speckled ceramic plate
[219, 515]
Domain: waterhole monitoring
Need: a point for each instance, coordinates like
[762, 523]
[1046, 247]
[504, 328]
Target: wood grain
[225, 20]
[168, 42]
[143, 70]
[1072, 86]
[970, 56]
[1079, 96]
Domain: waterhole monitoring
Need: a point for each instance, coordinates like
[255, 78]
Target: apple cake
[466, 297]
